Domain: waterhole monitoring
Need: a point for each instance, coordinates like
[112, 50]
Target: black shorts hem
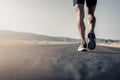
[89, 3]
[78, 2]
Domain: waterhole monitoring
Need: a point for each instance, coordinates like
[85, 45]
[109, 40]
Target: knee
[80, 18]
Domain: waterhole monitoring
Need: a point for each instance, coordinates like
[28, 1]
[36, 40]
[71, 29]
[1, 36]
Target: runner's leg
[79, 8]
[91, 18]
[91, 4]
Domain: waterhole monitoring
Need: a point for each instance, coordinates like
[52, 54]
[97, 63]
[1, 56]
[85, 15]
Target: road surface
[58, 62]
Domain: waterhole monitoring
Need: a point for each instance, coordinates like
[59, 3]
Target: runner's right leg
[91, 23]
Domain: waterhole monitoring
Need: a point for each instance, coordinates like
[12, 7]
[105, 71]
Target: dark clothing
[89, 3]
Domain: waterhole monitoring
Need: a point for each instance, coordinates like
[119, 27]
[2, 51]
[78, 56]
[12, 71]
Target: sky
[58, 17]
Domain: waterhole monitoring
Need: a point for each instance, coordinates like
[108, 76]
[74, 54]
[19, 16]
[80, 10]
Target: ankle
[83, 42]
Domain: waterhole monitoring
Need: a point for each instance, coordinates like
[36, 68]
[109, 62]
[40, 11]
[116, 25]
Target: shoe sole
[91, 43]
[84, 49]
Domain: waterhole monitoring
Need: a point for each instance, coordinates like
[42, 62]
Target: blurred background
[57, 18]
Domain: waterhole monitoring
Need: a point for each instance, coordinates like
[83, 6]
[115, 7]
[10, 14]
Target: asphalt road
[58, 62]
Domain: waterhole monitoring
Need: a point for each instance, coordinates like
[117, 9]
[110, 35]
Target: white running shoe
[82, 47]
